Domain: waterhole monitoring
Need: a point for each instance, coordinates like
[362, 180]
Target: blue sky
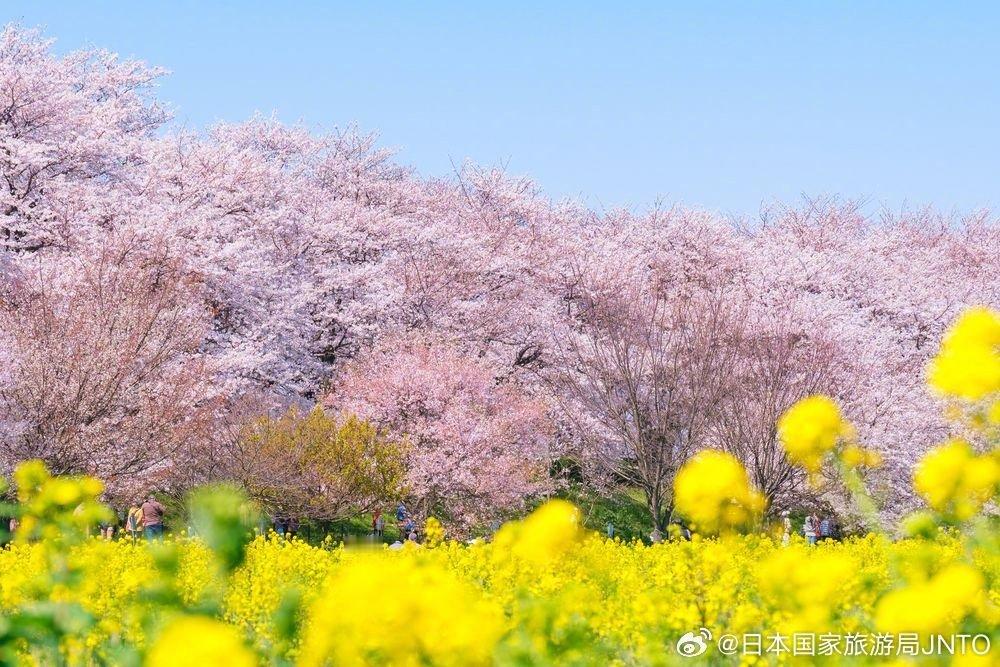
[717, 105]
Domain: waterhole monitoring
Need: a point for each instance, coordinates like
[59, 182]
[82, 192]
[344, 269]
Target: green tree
[316, 465]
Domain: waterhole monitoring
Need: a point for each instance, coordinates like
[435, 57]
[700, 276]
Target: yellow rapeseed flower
[713, 491]
[544, 535]
[993, 414]
[433, 532]
[953, 480]
[543, 592]
[933, 606]
[29, 477]
[429, 617]
[856, 457]
[810, 584]
[810, 429]
[968, 364]
[199, 640]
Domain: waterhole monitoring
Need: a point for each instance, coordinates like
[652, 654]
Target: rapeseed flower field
[544, 591]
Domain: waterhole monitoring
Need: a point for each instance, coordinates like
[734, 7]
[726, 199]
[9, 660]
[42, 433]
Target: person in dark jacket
[152, 518]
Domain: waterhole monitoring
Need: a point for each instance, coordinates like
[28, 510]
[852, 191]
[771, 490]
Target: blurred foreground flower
[968, 364]
[56, 508]
[198, 640]
[810, 429]
[432, 618]
[547, 533]
[933, 606]
[953, 480]
[855, 456]
[713, 491]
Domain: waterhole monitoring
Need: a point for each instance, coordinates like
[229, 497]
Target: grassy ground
[624, 509]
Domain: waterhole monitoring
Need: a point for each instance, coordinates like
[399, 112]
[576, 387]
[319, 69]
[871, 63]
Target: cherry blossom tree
[881, 292]
[307, 266]
[102, 368]
[776, 365]
[642, 370]
[72, 129]
[479, 444]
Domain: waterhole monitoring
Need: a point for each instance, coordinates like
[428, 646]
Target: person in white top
[810, 528]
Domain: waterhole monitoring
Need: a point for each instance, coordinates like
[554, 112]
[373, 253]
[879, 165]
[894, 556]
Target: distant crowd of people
[143, 519]
[815, 528]
[285, 526]
[146, 520]
[406, 525]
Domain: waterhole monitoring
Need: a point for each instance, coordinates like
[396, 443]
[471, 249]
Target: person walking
[152, 518]
[685, 531]
[786, 522]
[133, 521]
[107, 529]
[809, 528]
[410, 528]
[379, 524]
[402, 520]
